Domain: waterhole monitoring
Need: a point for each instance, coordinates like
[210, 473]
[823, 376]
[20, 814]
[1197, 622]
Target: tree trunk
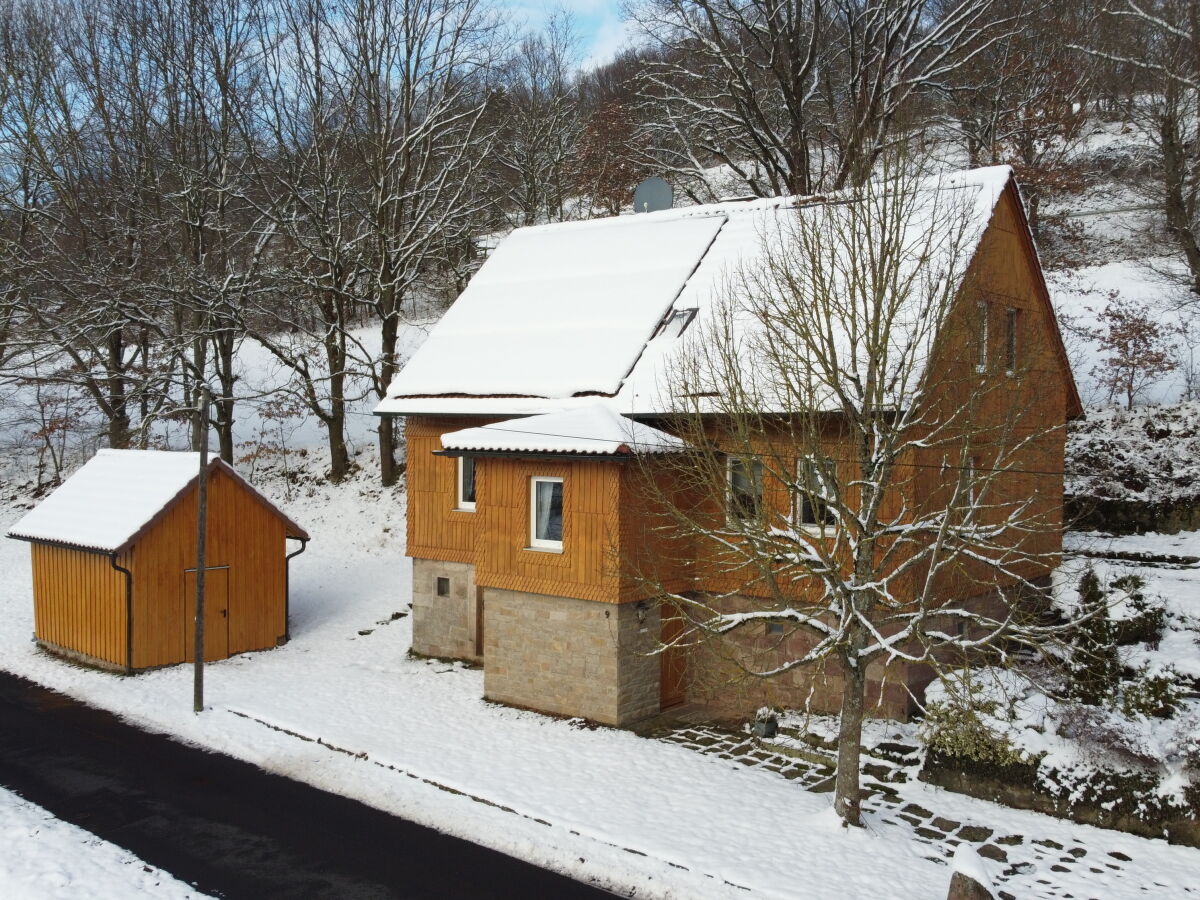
[389, 472]
[846, 799]
[1179, 220]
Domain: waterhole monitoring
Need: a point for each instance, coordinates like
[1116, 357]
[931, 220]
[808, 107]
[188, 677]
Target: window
[810, 509]
[774, 629]
[546, 513]
[677, 321]
[1010, 346]
[745, 489]
[466, 483]
[981, 341]
[443, 587]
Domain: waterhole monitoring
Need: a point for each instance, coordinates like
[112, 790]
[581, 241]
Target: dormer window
[677, 321]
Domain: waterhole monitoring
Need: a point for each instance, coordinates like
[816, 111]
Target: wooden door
[216, 614]
[673, 676]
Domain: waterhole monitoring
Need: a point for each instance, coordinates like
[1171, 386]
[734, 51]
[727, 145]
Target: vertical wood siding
[436, 530]
[587, 566]
[79, 601]
[243, 535]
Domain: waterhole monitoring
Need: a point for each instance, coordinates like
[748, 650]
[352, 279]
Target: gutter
[287, 589]
[112, 559]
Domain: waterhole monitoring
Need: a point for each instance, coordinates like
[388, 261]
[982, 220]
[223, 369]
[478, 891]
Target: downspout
[287, 589]
[112, 558]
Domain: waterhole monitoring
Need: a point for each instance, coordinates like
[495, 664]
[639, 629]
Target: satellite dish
[652, 195]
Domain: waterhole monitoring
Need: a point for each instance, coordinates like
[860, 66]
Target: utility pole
[201, 547]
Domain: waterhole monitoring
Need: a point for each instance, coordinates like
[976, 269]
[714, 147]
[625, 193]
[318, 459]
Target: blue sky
[598, 22]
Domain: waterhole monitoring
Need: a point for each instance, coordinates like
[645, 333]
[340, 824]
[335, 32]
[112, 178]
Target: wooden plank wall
[436, 530]
[587, 566]
[243, 535]
[79, 601]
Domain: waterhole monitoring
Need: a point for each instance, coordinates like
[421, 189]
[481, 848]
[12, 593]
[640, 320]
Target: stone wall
[717, 672]
[444, 626]
[571, 657]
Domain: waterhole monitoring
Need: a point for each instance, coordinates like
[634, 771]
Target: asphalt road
[229, 828]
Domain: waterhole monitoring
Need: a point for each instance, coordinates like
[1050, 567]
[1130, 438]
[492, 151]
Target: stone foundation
[718, 681]
[571, 657]
[444, 626]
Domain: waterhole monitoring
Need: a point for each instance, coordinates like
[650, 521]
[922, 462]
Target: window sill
[816, 530]
[545, 549]
[463, 509]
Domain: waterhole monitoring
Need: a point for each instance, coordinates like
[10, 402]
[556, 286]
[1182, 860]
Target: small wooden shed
[114, 562]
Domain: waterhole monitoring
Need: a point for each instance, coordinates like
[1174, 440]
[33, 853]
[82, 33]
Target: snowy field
[44, 858]
[647, 817]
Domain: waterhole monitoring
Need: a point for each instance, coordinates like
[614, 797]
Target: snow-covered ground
[44, 858]
[650, 818]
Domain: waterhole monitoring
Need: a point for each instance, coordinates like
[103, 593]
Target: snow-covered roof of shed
[115, 495]
[562, 311]
[593, 430]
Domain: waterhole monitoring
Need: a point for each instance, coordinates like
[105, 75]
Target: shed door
[216, 614]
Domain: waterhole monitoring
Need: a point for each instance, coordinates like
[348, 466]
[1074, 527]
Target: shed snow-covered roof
[116, 495]
[562, 313]
[591, 430]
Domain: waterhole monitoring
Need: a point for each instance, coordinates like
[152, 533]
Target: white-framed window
[546, 513]
[809, 509]
[1010, 342]
[466, 484]
[745, 501]
[981, 335]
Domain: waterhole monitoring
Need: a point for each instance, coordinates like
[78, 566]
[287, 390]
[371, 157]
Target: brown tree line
[177, 176]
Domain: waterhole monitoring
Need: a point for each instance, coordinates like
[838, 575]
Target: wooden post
[201, 547]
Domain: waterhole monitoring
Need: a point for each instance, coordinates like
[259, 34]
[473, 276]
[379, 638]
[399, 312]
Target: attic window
[677, 322]
[1010, 346]
[981, 341]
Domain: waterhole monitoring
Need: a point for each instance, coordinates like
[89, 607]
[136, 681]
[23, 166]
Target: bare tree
[795, 96]
[537, 110]
[861, 451]
[88, 204]
[1025, 100]
[1161, 40]
[416, 74]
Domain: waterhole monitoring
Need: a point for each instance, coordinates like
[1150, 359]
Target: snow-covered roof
[562, 312]
[593, 430]
[114, 496]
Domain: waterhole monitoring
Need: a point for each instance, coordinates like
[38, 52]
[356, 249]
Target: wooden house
[527, 406]
[114, 562]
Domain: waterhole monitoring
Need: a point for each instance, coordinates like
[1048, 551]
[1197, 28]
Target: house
[533, 399]
[114, 562]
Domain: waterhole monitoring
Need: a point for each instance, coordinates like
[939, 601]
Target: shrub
[1094, 670]
[1154, 696]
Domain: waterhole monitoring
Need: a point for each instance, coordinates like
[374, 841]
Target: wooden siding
[242, 535]
[436, 530]
[79, 601]
[587, 566]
